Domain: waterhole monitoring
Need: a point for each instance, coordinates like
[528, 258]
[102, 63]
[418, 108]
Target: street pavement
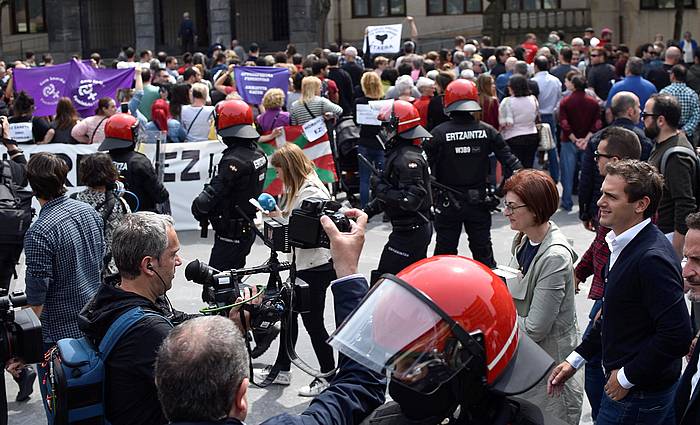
[274, 400]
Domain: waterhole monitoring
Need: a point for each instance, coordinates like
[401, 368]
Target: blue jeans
[594, 375]
[570, 155]
[639, 407]
[552, 153]
[376, 157]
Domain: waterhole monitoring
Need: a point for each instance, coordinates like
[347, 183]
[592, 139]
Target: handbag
[544, 132]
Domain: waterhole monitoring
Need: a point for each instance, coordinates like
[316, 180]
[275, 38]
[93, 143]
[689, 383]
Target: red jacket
[530, 51]
[422, 106]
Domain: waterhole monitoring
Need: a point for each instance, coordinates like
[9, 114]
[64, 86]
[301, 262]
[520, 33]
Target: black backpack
[15, 208]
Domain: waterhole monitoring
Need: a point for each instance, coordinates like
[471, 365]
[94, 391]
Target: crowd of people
[570, 116]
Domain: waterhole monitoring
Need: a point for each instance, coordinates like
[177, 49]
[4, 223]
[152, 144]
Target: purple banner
[253, 81]
[45, 85]
[86, 85]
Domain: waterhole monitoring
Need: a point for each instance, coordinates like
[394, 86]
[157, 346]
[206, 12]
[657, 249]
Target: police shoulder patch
[412, 165]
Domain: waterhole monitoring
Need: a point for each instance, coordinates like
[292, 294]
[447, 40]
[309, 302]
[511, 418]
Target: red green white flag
[318, 151]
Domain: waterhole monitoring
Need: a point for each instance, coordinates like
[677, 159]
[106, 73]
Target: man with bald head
[660, 77]
[625, 108]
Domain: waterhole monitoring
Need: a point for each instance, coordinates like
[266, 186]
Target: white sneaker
[314, 388]
[284, 377]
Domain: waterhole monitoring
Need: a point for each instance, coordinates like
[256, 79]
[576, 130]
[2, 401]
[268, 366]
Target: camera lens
[199, 272]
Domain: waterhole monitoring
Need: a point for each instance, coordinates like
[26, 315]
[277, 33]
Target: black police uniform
[404, 194]
[240, 176]
[10, 247]
[458, 155]
[139, 176]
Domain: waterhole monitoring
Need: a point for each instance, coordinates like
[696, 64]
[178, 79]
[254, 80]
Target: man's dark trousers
[476, 220]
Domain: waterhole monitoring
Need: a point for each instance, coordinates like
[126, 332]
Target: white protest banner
[315, 128]
[383, 39]
[366, 115]
[187, 166]
[21, 132]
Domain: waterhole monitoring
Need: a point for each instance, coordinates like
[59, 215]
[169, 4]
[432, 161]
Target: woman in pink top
[517, 116]
[92, 129]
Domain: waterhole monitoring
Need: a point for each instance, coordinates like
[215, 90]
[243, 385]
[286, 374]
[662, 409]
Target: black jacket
[645, 326]
[345, 88]
[353, 394]
[404, 191]
[240, 176]
[591, 180]
[688, 405]
[459, 151]
[131, 396]
[139, 177]
[601, 77]
[436, 112]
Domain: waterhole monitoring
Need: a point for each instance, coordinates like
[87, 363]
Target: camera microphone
[267, 201]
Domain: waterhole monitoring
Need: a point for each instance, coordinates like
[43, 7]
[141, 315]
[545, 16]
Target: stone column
[303, 27]
[144, 25]
[63, 23]
[220, 21]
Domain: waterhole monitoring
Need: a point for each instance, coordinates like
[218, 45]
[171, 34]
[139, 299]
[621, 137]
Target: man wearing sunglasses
[661, 118]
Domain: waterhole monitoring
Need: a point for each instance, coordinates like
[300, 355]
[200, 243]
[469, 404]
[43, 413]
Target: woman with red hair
[161, 120]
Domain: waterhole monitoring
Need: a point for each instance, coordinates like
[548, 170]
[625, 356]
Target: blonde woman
[196, 118]
[273, 117]
[368, 144]
[313, 267]
[312, 105]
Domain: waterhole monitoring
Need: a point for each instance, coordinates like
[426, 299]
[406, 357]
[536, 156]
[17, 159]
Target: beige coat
[544, 298]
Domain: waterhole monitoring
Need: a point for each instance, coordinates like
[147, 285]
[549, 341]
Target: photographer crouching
[192, 391]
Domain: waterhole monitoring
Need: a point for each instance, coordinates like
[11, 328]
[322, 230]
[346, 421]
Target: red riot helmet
[438, 317]
[121, 131]
[461, 95]
[234, 118]
[401, 119]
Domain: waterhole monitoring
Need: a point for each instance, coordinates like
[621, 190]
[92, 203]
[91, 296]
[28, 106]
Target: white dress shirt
[616, 243]
[550, 91]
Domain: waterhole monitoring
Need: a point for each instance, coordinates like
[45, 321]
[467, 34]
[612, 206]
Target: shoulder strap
[96, 128]
[307, 109]
[194, 119]
[119, 328]
[676, 149]
[6, 173]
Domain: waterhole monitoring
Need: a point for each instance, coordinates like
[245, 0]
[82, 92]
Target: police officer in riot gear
[240, 176]
[403, 189]
[135, 170]
[458, 155]
[446, 330]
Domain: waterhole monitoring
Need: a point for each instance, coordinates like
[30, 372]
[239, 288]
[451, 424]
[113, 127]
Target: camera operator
[145, 250]
[11, 244]
[139, 176]
[240, 176]
[312, 266]
[403, 190]
[201, 367]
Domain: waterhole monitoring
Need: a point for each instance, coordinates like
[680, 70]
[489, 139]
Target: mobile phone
[125, 108]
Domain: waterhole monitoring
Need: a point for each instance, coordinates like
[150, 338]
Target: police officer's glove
[373, 208]
[374, 181]
[202, 204]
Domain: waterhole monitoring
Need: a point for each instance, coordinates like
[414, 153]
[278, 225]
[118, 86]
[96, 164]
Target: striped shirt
[64, 254]
[318, 106]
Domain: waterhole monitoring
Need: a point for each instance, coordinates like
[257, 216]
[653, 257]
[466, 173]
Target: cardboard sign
[383, 39]
[315, 128]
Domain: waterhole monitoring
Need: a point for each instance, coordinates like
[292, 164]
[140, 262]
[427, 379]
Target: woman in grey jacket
[543, 290]
[313, 265]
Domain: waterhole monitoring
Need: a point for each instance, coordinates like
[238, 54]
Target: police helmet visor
[242, 131]
[463, 105]
[396, 330]
[417, 132]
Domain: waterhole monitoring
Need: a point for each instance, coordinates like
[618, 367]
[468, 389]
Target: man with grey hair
[145, 249]
[660, 76]
[201, 369]
[351, 65]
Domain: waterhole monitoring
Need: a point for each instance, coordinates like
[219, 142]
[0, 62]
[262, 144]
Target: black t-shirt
[62, 135]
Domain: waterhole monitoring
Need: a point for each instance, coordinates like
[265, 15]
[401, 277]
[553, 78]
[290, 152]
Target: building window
[378, 8]
[453, 7]
[535, 4]
[27, 16]
[664, 4]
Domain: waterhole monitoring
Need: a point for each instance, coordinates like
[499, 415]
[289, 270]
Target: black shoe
[26, 384]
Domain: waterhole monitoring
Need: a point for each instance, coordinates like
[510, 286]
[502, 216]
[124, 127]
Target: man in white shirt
[644, 329]
[549, 97]
[688, 391]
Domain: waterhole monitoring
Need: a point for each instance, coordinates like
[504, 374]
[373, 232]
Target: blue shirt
[502, 84]
[64, 251]
[633, 83]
